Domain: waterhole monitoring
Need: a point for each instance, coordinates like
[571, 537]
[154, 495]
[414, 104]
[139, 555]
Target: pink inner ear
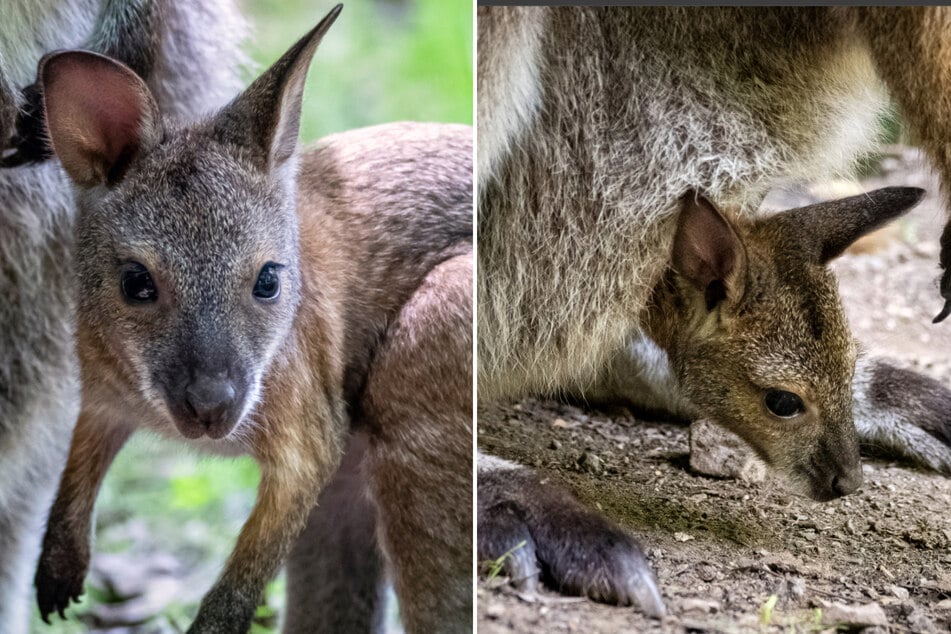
[705, 246]
[95, 110]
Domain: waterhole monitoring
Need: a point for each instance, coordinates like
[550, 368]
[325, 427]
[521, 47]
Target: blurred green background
[166, 517]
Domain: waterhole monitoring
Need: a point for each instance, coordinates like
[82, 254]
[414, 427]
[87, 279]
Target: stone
[714, 451]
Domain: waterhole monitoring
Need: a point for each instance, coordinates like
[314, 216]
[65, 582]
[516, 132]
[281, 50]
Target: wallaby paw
[59, 580]
[900, 413]
[535, 529]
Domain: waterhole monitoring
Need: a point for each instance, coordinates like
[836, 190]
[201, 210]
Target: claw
[646, 595]
[944, 312]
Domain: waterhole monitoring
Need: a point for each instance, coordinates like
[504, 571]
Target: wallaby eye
[137, 284]
[784, 404]
[268, 285]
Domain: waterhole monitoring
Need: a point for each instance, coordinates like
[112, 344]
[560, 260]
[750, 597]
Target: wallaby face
[757, 335]
[197, 321]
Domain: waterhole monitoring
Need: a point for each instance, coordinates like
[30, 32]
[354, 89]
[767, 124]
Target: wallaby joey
[226, 299]
[757, 340]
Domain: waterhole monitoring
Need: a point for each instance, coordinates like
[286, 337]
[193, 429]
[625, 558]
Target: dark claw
[58, 583]
[946, 275]
[944, 312]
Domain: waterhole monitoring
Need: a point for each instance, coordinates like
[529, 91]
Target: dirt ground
[737, 557]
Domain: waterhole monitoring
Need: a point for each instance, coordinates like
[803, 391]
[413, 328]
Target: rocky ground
[734, 556]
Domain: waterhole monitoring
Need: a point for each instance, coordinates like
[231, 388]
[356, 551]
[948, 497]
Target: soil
[731, 556]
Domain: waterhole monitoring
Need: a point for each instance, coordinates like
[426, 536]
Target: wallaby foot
[335, 576]
[546, 531]
[418, 402]
[902, 414]
[60, 573]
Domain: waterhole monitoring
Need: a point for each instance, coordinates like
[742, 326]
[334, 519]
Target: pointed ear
[707, 251]
[265, 118]
[827, 229]
[99, 115]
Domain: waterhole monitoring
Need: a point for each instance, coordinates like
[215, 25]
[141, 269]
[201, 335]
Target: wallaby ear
[708, 252]
[99, 115]
[827, 229]
[266, 117]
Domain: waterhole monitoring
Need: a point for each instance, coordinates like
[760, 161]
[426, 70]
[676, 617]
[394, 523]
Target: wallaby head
[752, 322]
[187, 236]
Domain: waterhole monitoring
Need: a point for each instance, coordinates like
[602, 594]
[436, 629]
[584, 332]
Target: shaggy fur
[38, 381]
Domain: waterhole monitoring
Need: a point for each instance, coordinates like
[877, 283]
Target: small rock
[898, 591]
[700, 605]
[717, 452]
[854, 615]
[591, 463]
[554, 444]
[921, 622]
[682, 537]
[495, 610]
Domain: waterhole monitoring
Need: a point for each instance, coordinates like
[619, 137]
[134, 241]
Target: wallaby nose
[209, 398]
[847, 481]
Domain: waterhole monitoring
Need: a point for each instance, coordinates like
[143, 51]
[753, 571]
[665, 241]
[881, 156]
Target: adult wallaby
[593, 122]
[176, 46]
[226, 299]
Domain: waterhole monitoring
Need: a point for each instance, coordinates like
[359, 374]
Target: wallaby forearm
[65, 558]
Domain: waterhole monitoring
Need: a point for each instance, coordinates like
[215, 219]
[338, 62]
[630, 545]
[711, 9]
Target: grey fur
[638, 105]
[196, 69]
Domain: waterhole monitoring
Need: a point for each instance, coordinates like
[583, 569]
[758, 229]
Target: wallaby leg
[548, 532]
[900, 413]
[419, 403]
[65, 559]
[910, 51]
[294, 469]
[335, 577]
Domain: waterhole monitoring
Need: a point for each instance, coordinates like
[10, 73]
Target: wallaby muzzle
[206, 402]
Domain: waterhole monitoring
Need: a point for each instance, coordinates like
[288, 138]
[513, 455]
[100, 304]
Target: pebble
[591, 463]
[854, 615]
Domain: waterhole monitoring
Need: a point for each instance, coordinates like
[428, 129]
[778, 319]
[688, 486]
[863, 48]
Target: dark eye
[137, 284]
[268, 286]
[783, 404]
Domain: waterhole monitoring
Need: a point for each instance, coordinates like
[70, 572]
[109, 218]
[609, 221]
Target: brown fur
[375, 298]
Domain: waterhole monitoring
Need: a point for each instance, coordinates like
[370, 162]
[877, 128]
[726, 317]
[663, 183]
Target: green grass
[383, 60]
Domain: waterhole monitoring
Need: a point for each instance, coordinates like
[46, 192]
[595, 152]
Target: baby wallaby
[252, 301]
[750, 320]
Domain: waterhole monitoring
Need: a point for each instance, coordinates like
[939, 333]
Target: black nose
[210, 398]
[847, 482]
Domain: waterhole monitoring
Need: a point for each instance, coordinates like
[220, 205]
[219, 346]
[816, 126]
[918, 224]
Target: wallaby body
[593, 122]
[195, 45]
[221, 302]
